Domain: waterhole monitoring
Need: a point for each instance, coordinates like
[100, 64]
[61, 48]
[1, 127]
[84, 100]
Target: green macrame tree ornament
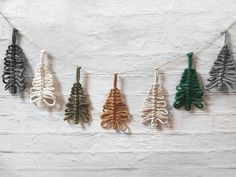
[77, 110]
[189, 91]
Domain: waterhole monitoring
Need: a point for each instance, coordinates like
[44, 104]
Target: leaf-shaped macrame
[154, 110]
[77, 107]
[189, 91]
[115, 113]
[42, 90]
[223, 72]
[14, 67]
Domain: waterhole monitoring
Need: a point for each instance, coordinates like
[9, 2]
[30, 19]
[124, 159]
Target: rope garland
[196, 51]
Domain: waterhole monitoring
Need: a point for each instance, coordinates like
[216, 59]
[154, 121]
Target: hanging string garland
[189, 91]
[197, 50]
[115, 113]
[14, 67]
[223, 71]
[42, 90]
[77, 107]
[154, 111]
[14, 80]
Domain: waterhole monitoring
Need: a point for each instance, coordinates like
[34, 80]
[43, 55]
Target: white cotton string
[102, 72]
[42, 90]
[196, 51]
[13, 26]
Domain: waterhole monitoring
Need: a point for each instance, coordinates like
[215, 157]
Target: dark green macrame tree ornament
[189, 91]
[77, 110]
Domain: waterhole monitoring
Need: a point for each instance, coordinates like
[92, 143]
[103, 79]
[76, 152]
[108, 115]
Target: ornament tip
[190, 54]
[115, 80]
[43, 51]
[223, 32]
[15, 30]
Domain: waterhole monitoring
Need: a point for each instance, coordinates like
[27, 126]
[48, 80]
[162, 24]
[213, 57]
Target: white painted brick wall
[117, 36]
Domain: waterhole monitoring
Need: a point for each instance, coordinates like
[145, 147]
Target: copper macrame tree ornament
[115, 113]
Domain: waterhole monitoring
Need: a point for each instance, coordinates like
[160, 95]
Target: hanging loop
[115, 80]
[190, 59]
[42, 55]
[226, 35]
[156, 75]
[14, 31]
[78, 74]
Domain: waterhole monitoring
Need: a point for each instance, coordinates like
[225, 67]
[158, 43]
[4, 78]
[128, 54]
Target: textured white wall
[117, 36]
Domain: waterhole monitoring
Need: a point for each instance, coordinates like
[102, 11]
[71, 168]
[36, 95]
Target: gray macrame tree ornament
[13, 73]
[223, 71]
[154, 111]
[77, 110]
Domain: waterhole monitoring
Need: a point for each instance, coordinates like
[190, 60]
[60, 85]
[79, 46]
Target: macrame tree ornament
[154, 111]
[223, 71]
[77, 110]
[14, 67]
[42, 90]
[189, 91]
[115, 113]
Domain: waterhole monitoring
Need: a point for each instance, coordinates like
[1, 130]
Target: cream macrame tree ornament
[154, 111]
[42, 90]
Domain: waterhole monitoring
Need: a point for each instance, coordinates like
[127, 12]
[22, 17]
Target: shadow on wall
[28, 74]
[205, 96]
[121, 86]
[85, 87]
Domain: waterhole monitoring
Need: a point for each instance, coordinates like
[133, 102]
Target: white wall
[117, 36]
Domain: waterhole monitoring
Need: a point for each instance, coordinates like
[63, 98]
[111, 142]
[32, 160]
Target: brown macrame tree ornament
[77, 108]
[115, 113]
